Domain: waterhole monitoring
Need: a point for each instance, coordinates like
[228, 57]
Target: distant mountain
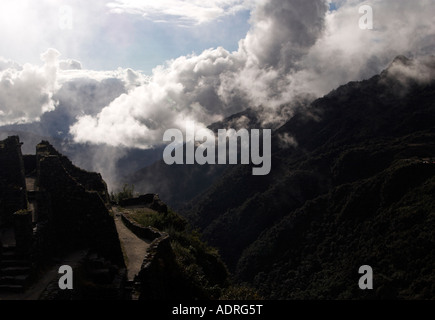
[75, 98]
[352, 183]
[113, 162]
[191, 180]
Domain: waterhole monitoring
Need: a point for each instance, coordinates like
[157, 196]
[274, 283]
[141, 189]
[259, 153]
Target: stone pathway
[31, 189]
[134, 247]
[30, 184]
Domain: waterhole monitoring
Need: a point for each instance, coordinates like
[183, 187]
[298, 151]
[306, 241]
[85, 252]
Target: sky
[105, 35]
[122, 72]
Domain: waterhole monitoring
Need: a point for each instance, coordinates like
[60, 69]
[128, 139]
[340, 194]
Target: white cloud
[70, 65]
[26, 92]
[187, 12]
[207, 87]
[185, 90]
[8, 64]
[408, 71]
[29, 92]
[295, 51]
[286, 141]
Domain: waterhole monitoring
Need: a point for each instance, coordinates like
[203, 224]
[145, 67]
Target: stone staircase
[15, 270]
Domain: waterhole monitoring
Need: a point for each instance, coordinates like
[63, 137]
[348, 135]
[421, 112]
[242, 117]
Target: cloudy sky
[121, 72]
[105, 35]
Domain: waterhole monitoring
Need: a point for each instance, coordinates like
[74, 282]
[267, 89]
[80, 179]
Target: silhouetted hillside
[352, 183]
[191, 180]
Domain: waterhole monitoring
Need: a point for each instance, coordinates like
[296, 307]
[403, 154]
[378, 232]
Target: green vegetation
[200, 265]
[356, 191]
[241, 292]
[127, 192]
[22, 212]
[170, 223]
[315, 251]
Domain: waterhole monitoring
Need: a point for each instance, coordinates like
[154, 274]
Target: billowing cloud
[294, 52]
[70, 65]
[8, 64]
[186, 90]
[283, 31]
[188, 12]
[58, 91]
[26, 92]
[346, 53]
[407, 71]
[207, 87]
[286, 141]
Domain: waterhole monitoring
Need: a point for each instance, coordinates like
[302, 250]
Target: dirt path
[134, 247]
[30, 184]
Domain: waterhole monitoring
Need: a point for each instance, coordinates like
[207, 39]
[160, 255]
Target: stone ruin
[13, 195]
[151, 201]
[49, 208]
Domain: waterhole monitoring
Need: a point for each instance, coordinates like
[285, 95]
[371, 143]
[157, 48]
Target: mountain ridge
[351, 143]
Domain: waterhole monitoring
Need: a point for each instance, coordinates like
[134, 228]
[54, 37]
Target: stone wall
[147, 233]
[76, 217]
[91, 181]
[157, 279]
[13, 196]
[151, 201]
[159, 276]
[71, 213]
[29, 161]
[23, 231]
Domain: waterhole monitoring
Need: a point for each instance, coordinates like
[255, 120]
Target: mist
[294, 52]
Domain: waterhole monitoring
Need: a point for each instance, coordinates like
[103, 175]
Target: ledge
[147, 233]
